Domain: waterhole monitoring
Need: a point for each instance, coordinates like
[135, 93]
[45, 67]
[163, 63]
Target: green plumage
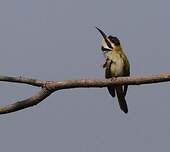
[116, 65]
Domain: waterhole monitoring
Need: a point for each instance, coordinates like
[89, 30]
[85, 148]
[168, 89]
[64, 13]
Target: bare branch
[48, 87]
[20, 79]
[37, 98]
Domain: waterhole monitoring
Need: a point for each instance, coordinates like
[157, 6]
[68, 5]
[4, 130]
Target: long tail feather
[121, 99]
[125, 89]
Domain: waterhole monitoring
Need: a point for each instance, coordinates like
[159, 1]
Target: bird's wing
[108, 75]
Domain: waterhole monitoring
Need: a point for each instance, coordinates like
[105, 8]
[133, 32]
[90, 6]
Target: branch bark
[48, 87]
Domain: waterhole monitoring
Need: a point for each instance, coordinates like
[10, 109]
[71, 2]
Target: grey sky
[56, 40]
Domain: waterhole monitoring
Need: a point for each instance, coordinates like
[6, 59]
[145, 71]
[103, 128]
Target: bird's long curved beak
[102, 33]
[105, 37]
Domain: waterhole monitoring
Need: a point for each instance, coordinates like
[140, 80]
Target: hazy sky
[56, 40]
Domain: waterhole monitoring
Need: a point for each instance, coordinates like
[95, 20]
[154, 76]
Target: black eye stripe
[108, 44]
[114, 40]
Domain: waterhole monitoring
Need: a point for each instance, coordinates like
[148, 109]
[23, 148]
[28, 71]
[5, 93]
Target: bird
[116, 65]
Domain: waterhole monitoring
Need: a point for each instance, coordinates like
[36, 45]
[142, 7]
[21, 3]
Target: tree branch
[48, 87]
[37, 98]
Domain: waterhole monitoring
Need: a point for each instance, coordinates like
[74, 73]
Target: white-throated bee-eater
[116, 65]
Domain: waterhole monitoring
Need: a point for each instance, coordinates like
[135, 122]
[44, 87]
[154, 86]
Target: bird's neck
[117, 49]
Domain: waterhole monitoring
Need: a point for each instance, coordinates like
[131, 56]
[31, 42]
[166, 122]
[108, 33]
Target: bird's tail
[121, 99]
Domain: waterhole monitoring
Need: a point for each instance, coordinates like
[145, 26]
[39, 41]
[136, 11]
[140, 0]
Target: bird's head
[109, 42]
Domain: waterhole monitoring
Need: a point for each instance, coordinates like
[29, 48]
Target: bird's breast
[116, 66]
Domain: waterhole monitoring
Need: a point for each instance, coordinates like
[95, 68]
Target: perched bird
[116, 65]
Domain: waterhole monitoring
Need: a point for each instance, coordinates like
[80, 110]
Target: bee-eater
[116, 65]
